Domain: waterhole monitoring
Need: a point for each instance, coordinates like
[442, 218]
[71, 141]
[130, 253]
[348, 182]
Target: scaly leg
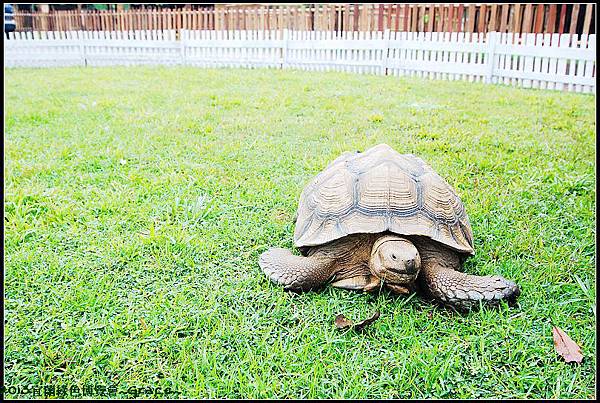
[297, 273]
[464, 291]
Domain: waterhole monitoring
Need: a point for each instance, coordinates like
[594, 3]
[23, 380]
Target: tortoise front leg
[464, 291]
[296, 273]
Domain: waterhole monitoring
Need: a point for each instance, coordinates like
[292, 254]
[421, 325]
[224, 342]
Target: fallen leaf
[361, 325]
[341, 322]
[565, 346]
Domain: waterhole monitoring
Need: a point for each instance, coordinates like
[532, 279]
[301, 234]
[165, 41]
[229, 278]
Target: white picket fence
[547, 61]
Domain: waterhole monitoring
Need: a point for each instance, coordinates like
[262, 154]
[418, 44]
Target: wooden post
[551, 19]
[574, 18]
[517, 19]
[589, 8]
[539, 19]
[471, 18]
[81, 21]
[482, 18]
[422, 19]
[431, 15]
[439, 23]
[527, 18]
[414, 18]
[504, 17]
[492, 24]
[388, 8]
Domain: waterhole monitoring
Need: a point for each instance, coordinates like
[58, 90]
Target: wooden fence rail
[547, 61]
[454, 17]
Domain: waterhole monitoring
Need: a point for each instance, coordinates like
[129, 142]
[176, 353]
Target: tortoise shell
[381, 190]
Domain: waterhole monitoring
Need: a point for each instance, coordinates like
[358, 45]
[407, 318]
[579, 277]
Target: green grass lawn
[137, 202]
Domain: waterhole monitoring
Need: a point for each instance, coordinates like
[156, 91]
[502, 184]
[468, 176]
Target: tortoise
[383, 220]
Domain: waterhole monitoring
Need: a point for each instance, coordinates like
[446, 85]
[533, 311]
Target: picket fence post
[182, 43]
[386, 50]
[284, 49]
[82, 48]
[491, 48]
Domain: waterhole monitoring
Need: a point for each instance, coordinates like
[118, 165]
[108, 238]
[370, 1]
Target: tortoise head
[395, 260]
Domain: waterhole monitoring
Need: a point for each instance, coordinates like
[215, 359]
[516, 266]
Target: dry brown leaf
[341, 322]
[361, 325]
[566, 347]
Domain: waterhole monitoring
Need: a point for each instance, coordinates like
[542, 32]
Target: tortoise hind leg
[464, 291]
[296, 273]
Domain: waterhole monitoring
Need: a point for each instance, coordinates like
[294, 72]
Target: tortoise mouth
[393, 276]
[407, 271]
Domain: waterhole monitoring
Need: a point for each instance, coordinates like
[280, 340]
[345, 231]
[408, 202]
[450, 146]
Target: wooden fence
[547, 61]
[469, 17]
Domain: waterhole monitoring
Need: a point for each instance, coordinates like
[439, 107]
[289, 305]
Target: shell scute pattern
[381, 190]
